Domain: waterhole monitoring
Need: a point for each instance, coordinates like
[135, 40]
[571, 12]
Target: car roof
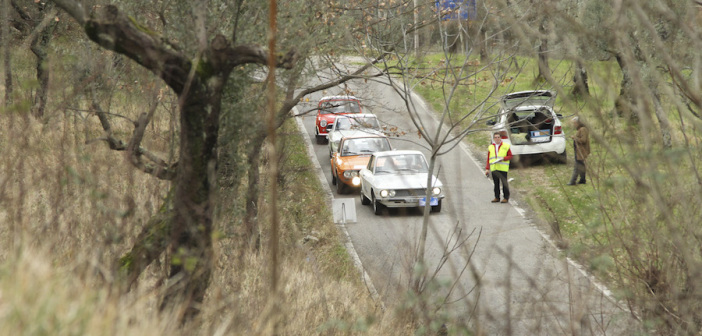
[364, 134]
[339, 97]
[528, 93]
[398, 152]
[356, 115]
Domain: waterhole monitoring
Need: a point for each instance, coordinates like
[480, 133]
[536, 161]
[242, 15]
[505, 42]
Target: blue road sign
[457, 9]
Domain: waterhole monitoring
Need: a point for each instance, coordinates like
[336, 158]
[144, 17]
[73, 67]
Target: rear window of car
[366, 122]
[339, 106]
[363, 146]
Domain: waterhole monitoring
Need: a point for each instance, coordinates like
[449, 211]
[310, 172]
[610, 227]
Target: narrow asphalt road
[502, 272]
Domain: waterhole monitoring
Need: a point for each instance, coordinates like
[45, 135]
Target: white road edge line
[342, 227]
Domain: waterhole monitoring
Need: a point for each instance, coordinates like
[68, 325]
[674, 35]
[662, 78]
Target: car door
[367, 177]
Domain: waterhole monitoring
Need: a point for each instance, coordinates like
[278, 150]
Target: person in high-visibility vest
[498, 158]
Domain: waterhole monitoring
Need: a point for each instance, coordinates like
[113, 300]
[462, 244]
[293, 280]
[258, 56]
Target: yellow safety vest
[502, 165]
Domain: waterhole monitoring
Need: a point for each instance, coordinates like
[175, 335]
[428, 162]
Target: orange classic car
[352, 156]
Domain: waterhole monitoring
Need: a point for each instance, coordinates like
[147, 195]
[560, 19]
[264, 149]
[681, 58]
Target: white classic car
[350, 126]
[398, 179]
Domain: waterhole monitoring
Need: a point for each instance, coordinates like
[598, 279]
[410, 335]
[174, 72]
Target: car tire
[334, 179]
[436, 208]
[563, 157]
[377, 207]
[340, 187]
[320, 139]
[364, 199]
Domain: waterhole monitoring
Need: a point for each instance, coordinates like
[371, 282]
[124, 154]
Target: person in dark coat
[581, 148]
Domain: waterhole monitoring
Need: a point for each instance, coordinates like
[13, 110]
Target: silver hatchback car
[528, 123]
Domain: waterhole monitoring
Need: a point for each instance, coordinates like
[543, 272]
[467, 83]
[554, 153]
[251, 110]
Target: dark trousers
[497, 178]
[578, 171]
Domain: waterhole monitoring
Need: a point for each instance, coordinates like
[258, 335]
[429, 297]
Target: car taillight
[557, 130]
[503, 135]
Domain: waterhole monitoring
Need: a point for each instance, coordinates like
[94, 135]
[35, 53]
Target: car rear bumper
[556, 145]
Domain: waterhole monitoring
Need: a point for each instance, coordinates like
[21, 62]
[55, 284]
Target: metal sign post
[344, 210]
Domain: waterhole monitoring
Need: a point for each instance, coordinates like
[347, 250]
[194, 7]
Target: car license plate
[432, 202]
[540, 136]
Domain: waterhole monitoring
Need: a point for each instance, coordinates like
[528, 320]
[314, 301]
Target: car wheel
[436, 208]
[340, 187]
[320, 139]
[377, 207]
[364, 199]
[333, 176]
[563, 157]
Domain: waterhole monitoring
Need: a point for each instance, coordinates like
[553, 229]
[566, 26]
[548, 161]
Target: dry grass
[69, 206]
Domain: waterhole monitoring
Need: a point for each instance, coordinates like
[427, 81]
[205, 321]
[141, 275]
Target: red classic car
[329, 107]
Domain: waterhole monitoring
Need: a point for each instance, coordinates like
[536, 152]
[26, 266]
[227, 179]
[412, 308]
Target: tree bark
[544, 71]
[623, 104]
[252, 195]
[39, 44]
[5, 34]
[663, 122]
[149, 245]
[580, 85]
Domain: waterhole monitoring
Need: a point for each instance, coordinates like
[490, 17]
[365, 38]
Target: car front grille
[409, 192]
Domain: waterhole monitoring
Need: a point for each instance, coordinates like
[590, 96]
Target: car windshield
[364, 146]
[366, 122]
[340, 106]
[401, 164]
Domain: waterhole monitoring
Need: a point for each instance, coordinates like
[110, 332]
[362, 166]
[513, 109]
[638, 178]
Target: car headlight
[356, 181]
[323, 123]
[436, 191]
[350, 173]
[387, 193]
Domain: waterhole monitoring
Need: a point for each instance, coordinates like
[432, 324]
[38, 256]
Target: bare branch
[73, 8]
[340, 80]
[135, 152]
[163, 170]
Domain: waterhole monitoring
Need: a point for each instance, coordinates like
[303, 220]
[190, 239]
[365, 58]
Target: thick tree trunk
[191, 240]
[663, 122]
[580, 85]
[544, 71]
[5, 35]
[39, 45]
[252, 194]
[482, 47]
[149, 245]
[623, 105]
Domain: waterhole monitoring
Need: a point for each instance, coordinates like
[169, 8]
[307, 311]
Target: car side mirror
[559, 115]
[491, 122]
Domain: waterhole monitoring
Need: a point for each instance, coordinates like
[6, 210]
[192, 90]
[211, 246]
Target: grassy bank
[632, 223]
[70, 206]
